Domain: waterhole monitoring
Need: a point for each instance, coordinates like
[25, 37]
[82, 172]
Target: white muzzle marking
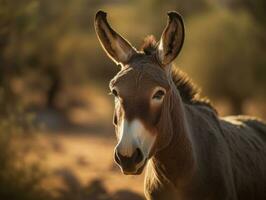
[134, 135]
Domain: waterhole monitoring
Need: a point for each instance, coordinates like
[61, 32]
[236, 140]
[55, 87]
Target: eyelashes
[158, 95]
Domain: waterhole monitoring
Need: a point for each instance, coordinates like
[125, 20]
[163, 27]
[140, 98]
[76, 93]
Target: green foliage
[223, 53]
[256, 8]
[18, 180]
[55, 41]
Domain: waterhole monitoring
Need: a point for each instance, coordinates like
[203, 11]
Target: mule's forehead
[139, 77]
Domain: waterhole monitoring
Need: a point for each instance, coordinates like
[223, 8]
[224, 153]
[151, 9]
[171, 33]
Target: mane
[189, 92]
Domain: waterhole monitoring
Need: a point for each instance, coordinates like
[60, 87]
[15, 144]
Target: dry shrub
[18, 180]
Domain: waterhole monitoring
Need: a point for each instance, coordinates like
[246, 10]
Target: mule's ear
[172, 39]
[116, 47]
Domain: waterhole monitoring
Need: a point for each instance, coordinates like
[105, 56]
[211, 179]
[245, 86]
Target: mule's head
[141, 90]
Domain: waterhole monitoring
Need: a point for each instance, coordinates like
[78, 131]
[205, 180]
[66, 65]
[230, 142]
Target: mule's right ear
[116, 47]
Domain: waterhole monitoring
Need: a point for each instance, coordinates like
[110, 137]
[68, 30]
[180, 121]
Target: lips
[133, 170]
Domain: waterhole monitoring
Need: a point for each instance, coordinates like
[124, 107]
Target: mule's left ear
[116, 47]
[172, 39]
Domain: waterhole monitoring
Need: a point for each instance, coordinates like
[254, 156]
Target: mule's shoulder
[243, 120]
[247, 122]
[246, 139]
[244, 132]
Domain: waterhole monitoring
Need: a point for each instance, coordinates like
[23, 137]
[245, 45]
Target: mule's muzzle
[132, 164]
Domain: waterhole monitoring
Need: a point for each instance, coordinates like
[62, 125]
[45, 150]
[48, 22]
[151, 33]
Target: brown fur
[208, 157]
[149, 45]
[189, 92]
[197, 154]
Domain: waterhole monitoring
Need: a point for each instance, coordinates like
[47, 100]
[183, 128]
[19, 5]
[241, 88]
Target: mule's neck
[175, 163]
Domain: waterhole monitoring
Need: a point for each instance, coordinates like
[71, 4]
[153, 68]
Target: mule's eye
[158, 95]
[114, 92]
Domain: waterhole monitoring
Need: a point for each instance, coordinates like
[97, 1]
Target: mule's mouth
[135, 170]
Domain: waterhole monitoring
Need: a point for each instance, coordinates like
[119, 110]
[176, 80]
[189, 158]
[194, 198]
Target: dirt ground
[76, 162]
[76, 150]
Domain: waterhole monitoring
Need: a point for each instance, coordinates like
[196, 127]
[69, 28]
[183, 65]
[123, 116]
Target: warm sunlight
[63, 137]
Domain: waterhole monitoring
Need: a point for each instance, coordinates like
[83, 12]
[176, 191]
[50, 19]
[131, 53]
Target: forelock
[149, 45]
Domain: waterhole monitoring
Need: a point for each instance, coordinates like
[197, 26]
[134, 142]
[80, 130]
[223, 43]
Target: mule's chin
[136, 171]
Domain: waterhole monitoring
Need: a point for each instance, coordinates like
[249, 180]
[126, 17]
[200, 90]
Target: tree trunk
[54, 88]
[237, 106]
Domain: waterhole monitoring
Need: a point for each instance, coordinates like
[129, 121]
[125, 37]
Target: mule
[162, 123]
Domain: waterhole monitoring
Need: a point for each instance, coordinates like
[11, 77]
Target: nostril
[137, 156]
[125, 161]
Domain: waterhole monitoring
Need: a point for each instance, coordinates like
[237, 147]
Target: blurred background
[56, 134]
